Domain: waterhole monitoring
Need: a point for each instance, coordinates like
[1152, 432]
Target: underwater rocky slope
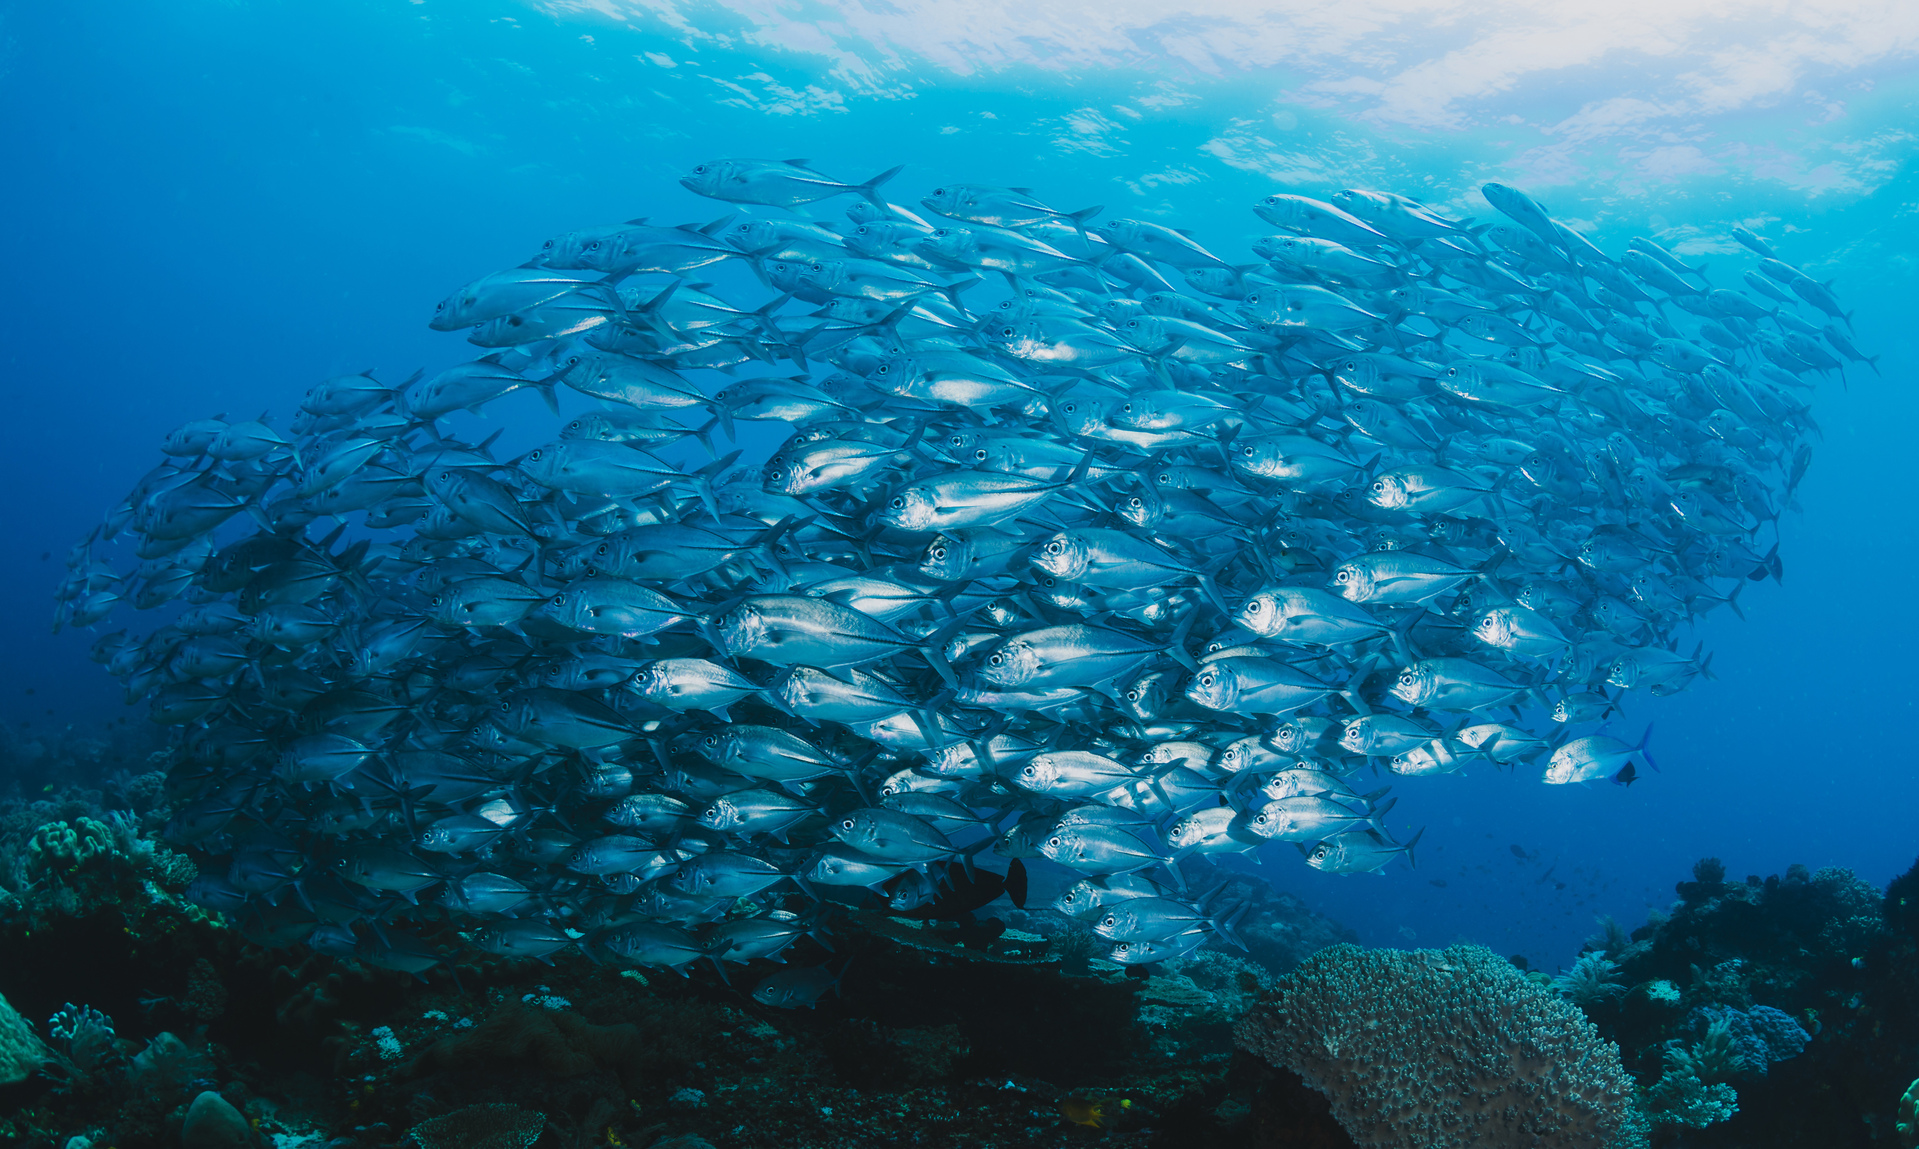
[128, 1003]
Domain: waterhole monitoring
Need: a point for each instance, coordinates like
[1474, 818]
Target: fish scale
[1049, 543]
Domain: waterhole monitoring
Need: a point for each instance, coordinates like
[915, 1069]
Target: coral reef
[1754, 1014]
[149, 1001]
[86, 851]
[1432, 1049]
[1808, 981]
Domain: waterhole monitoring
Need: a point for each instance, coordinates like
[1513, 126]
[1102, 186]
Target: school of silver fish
[1081, 543]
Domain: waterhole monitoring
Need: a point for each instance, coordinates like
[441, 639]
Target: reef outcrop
[1435, 1049]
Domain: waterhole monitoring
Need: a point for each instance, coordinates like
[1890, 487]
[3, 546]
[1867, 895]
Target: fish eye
[1255, 606]
[701, 170]
[898, 502]
[1008, 333]
[594, 246]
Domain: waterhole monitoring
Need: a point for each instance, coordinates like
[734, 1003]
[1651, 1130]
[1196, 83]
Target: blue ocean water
[212, 205]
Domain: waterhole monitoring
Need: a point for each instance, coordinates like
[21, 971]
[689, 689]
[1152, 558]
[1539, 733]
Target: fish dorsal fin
[799, 163]
[1021, 191]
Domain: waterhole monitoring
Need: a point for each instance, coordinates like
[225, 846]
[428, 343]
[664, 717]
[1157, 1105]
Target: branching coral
[1682, 1097]
[1717, 1056]
[1592, 981]
[84, 1036]
[1612, 940]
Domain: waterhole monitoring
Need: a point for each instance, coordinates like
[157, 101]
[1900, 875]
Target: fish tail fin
[871, 188]
[1644, 749]
[704, 433]
[764, 315]
[952, 290]
[934, 650]
[1210, 587]
[1016, 882]
[1176, 645]
[1410, 843]
[1082, 217]
[1377, 819]
[1732, 600]
[1350, 692]
[1403, 635]
[1226, 925]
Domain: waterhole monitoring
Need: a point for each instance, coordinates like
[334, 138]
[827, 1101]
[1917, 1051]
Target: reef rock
[21, 1051]
[213, 1123]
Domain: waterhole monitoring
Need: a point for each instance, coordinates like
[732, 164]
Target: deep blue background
[208, 208]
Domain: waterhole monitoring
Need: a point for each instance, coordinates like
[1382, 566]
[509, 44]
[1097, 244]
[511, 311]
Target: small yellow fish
[1089, 1110]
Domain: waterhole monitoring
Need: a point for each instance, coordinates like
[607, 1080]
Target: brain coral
[1436, 1049]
